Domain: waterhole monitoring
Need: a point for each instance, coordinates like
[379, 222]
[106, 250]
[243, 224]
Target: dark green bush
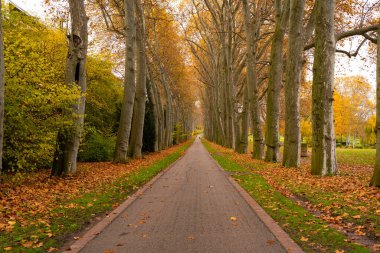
[97, 148]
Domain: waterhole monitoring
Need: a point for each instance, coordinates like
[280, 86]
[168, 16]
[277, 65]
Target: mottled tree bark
[292, 142]
[2, 88]
[375, 181]
[323, 160]
[65, 157]
[122, 141]
[272, 139]
[136, 138]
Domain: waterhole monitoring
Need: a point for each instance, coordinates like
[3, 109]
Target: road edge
[88, 236]
[285, 240]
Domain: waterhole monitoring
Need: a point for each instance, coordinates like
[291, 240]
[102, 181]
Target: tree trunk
[122, 141]
[136, 138]
[272, 139]
[65, 157]
[153, 102]
[375, 181]
[2, 88]
[323, 160]
[292, 142]
[258, 142]
[243, 141]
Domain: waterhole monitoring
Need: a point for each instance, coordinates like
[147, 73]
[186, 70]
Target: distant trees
[149, 58]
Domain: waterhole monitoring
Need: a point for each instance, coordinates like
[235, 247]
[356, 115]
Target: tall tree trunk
[122, 141]
[2, 88]
[243, 141]
[136, 138]
[292, 142]
[258, 142]
[272, 139]
[65, 157]
[153, 102]
[375, 181]
[323, 159]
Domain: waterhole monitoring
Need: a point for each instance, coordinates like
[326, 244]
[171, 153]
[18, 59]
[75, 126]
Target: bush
[97, 148]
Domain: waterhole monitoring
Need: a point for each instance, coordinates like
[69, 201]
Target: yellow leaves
[232, 218]
[8, 248]
[377, 212]
[357, 216]
[304, 239]
[339, 251]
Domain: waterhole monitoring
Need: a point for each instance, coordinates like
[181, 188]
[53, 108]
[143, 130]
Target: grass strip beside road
[310, 232]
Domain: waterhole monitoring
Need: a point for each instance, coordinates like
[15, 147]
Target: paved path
[188, 209]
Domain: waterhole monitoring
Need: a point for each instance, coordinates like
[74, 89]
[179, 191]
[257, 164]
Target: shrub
[97, 148]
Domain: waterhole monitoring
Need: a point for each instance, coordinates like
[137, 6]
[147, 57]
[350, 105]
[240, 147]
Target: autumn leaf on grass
[8, 248]
[27, 244]
[359, 232]
[304, 239]
[339, 251]
[356, 216]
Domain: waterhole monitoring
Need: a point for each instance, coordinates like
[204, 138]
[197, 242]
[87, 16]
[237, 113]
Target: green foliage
[104, 95]
[97, 148]
[36, 96]
[38, 103]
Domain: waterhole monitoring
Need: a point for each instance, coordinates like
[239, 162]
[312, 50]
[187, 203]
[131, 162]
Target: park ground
[331, 214]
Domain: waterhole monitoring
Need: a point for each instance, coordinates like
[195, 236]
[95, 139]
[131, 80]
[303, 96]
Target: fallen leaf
[232, 218]
[271, 242]
[8, 248]
[27, 244]
[304, 239]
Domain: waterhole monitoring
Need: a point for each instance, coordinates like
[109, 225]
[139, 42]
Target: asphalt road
[191, 208]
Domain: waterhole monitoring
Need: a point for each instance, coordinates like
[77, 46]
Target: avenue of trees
[253, 59]
[106, 81]
[111, 79]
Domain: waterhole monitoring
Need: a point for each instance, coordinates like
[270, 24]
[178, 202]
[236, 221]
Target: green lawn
[356, 156]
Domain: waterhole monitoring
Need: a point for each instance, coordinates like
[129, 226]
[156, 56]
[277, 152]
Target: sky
[34, 7]
[344, 67]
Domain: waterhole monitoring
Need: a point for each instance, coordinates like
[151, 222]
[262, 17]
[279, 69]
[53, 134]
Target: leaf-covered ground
[37, 211]
[344, 202]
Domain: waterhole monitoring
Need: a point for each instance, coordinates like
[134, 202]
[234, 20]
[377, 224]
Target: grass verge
[310, 232]
[71, 216]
